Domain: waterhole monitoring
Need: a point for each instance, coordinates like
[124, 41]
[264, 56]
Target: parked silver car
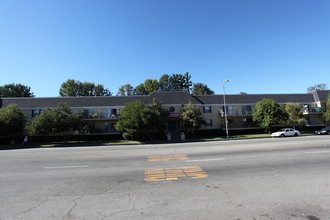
[286, 132]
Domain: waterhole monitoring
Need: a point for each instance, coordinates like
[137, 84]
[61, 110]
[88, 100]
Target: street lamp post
[224, 103]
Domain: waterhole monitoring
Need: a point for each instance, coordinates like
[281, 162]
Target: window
[229, 110]
[35, 112]
[208, 123]
[247, 110]
[107, 111]
[207, 109]
[90, 111]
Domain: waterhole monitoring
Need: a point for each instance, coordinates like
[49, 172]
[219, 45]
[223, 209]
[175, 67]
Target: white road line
[66, 167]
[205, 160]
[317, 152]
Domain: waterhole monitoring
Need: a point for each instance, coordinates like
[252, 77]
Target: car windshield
[282, 129]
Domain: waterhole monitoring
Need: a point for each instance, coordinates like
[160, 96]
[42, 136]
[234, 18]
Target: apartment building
[104, 112]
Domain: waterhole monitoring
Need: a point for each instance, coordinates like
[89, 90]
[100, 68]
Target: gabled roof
[173, 97]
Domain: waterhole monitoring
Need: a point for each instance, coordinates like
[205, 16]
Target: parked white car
[286, 132]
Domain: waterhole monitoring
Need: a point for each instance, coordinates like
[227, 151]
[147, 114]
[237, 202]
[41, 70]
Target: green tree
[317, 87]
[69, 88]
[15, 90]
[151, 85]
[140, 122]
[140, 90]
[157, 119]
[126, 90]
[192, 118]
[12, 121]
[76, 88]
[99, 90]
[56, 121]
[176, 82]
[86, 89]
[131, 123]
[326, 114]
[201, 89]
[187, 83]
[268, 113]
[295, 114]
[165, 83]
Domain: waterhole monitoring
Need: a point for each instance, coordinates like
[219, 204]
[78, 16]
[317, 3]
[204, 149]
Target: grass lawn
[70, 144]
[125, 142]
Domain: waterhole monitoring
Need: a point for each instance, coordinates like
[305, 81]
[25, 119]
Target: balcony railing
[100, 116]
[236, 113]
[317, 110]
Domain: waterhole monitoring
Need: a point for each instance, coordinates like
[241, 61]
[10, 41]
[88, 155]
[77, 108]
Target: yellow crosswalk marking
[164, 174]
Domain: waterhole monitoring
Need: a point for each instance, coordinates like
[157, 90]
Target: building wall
[239, 115]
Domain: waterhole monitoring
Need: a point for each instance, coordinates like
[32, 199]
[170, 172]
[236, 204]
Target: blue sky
[261, 46]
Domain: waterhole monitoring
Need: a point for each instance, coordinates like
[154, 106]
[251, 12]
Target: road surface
[259, 179]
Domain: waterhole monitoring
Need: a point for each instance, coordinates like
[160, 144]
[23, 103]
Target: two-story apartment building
[240, 108]
[104, 112]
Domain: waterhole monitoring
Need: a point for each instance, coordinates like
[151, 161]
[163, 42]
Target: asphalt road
[282, 178]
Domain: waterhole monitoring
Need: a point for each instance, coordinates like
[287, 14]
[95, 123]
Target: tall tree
[126, 90]
[165, 83]
[192, 118]
[317, 87]
[181, 82]
[187, 83]
[76, 88]
[12, 121]
[268, 113]
[15, 90]
[326, 114]
[56, 121]
[295, 114]
[70, 88]
[99, 90]
[140, 90]
[151, 85]
[86, 89]
[177, 82]
[201, 89]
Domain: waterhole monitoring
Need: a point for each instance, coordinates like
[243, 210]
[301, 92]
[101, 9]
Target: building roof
[245, 99]
[320, 95]
[165, 98]
[174, 97]
[86, 101]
